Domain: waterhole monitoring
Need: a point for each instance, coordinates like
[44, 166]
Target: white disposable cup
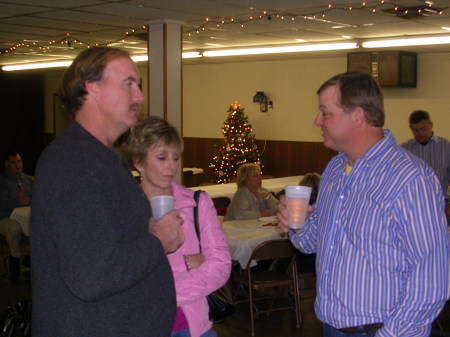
[297, 201]
[161, 205]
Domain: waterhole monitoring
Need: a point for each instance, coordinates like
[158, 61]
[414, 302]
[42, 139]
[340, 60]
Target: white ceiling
[38, 22]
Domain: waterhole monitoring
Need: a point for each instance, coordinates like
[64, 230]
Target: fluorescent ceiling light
[287, 49]
[139, 58]
[421, 41]
[187, 55]
[192, 54]
[37, 65]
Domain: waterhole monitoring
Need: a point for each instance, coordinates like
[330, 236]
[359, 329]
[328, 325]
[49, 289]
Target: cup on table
[161, 205]
[297, 201]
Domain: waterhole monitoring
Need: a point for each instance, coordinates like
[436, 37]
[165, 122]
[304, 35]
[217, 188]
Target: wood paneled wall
[280, 158]
[22, 117]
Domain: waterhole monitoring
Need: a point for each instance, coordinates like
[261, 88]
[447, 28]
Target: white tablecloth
[22, 216]
[227, 190]
[245, 235]
[195, 170]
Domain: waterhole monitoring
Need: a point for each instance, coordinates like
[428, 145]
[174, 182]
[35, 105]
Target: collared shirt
[9, 190]
[380, 234]
[435, 153]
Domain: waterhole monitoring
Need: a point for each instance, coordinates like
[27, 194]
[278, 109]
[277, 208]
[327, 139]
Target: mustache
[135, 106]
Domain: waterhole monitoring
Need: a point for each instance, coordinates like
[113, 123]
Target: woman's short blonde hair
[244, 171]
[148, 133]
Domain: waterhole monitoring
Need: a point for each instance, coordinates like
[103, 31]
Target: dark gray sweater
[96, 272]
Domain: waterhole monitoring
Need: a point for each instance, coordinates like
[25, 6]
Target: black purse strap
[197, 227]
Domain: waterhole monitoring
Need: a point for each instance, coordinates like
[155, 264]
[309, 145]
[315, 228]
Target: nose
[318, 120]
[138, 95]
[173, 165]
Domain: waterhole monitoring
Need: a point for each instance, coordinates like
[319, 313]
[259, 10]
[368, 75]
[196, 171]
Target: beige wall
[209, 90]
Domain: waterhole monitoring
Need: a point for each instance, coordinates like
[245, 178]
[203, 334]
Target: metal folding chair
[271, 278]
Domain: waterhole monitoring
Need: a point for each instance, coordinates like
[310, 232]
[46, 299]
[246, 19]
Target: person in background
[312, 180]
[251, 200]
[306, 263]
[434, 150]
[378, 225]
[155, 149]
[99, 265]
[15, 191]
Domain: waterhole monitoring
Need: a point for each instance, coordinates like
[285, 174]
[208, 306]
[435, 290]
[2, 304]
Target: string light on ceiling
[71, 42]
[319, 14]
[372, 6]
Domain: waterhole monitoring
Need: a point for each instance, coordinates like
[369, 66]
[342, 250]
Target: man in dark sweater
[99, 264]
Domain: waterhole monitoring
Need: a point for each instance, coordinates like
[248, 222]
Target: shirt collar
[432, 139]
[184, 197]
[376, 150]
[10, 176]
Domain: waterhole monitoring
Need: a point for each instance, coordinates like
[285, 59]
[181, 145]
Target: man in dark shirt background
[15, 191]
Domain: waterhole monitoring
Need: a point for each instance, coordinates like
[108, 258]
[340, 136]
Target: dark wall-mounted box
[391, 68]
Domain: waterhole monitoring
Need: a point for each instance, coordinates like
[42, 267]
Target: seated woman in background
[155, 147]
[250, 201]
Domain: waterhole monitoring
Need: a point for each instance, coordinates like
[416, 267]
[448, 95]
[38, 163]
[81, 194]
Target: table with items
[244, 236]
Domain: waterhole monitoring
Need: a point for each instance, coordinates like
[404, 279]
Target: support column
[165, 71]
[165, 96]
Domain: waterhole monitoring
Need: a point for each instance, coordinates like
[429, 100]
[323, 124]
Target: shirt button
[342, 197]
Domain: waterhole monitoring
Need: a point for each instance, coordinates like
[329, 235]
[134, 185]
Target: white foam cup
[297, 201]
[161, 205]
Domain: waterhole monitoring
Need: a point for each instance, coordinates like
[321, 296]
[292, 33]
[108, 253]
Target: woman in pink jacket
[155, 148]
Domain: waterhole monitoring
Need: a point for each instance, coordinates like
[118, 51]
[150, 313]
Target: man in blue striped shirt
[434, 150]
[378, 226]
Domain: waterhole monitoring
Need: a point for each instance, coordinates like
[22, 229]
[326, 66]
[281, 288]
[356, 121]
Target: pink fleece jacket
[193, 286]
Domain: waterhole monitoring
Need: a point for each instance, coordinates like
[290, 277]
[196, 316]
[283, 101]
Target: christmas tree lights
[239, 147]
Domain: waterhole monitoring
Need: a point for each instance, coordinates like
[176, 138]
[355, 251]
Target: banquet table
[227, 190]
[245, 235]
[195, 170]
[22, 216]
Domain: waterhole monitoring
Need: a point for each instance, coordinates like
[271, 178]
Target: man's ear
[359, 114]
[91, 88]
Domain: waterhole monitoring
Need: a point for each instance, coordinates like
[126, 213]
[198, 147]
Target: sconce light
[262, 100]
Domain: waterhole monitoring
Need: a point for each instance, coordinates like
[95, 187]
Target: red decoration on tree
[239, 147]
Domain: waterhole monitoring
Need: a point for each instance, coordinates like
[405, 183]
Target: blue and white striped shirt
[435, 153]
[380, 234]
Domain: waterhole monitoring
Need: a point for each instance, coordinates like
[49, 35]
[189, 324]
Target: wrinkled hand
[196, 260]
[282, 214]
[168, 230]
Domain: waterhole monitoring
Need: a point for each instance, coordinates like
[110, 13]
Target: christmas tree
[239, 147]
